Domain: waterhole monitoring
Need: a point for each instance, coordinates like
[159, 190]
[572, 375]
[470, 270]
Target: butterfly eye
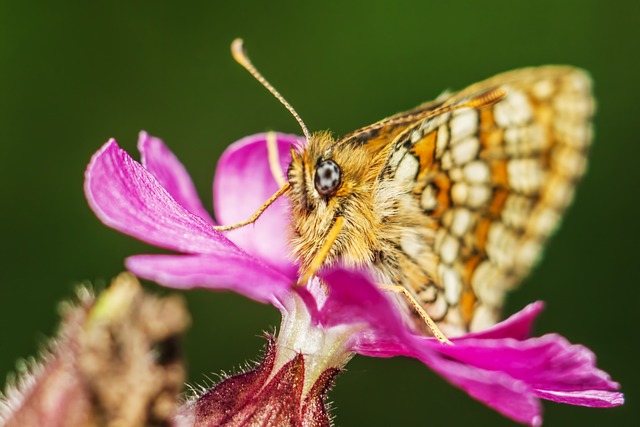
[327, 179]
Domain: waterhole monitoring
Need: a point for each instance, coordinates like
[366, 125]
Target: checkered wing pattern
[494, 182]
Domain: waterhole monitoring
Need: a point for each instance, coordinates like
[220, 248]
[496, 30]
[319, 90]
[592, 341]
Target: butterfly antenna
[253, 218]
[482, 100]
[240, 55]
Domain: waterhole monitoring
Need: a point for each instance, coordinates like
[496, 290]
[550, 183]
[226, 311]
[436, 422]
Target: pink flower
[156, 202]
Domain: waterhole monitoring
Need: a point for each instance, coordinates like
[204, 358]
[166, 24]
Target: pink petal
[517, 326]
[224, 270]
[354, 299]
[171, 174]
[125, 196]
[508, 374]
[549, 362]
[510, 397]
[243, 182]
[591, 398]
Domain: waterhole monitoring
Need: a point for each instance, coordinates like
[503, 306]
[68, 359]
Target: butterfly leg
[435, 331]
[274, 159]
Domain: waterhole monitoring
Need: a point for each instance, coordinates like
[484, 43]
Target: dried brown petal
[114, 363]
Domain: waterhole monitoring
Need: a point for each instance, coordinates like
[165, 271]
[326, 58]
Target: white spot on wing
[416, 135]
[407, 169]
[478, 196]
[465, 151]
[572, 106]
[428, 199]
[528, 254]
[437, 309]
[442, 140]
[459, 193]
[569, 161]
[456, 174]
[501, 244]
[513, 110]
[516, 211]
[486, 283]
[449, 249]
[483, 318]
[524, 141]
[558, 192]
[464, 123]
[452, 284]
[526, 175]
[573, 133]
[477, 172]
[461, 222]
[543, 89]
[544, 221]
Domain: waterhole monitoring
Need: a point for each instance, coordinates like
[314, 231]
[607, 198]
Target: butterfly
[451, 202]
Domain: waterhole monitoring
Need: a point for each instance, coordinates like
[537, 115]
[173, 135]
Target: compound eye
[328, 177]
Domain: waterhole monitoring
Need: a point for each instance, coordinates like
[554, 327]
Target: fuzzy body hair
[379, 212]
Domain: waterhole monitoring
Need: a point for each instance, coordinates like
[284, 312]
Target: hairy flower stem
[322, 348]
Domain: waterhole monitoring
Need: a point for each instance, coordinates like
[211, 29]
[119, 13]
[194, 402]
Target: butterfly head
[330, 179]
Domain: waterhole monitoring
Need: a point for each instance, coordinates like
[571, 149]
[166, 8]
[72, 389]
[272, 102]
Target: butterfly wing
[493, 182]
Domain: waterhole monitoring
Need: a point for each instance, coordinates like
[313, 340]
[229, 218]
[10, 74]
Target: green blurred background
[73, 74]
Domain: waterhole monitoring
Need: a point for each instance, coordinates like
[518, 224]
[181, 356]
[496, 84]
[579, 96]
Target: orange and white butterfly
[450, 202]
